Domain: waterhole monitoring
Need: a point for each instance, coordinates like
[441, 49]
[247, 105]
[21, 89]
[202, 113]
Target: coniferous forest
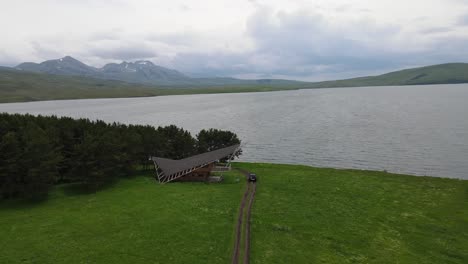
[37, 152]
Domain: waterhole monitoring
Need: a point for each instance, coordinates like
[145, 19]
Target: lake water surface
[421, 130]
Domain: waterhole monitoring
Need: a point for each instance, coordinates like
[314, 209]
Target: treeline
[39, 151]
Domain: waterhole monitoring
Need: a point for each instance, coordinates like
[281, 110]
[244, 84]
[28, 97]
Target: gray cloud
[448, 49]
[307, 46]
[7, 60]
[436, 30]
[113, 34]
[309, 43]
[44, 51]
[304, 44]
[127, 52]
[463, 20]
[186, 38]
[212, 64]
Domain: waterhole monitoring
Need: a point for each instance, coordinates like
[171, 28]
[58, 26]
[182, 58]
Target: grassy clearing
[300, 215]
[134, 221]
[311, 215]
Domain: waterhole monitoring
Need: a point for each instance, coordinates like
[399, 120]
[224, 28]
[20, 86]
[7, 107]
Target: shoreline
[214, 90]
[386, 172]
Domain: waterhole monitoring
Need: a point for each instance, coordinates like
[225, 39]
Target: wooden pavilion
[195, 168]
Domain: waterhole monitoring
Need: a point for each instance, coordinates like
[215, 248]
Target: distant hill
[147, 73]
[68, 78]
[23, 86]
[449, 73]
[64, 66]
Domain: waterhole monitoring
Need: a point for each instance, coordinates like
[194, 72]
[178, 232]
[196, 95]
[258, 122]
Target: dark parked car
[252, 177]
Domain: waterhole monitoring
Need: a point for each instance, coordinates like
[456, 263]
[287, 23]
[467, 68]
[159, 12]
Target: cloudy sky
[296, 39]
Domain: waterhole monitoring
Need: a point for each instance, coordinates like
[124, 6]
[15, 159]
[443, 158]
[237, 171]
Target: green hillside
[438, 74]
[20, 86]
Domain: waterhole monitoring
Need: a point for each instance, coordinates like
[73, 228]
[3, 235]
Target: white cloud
[272, 38]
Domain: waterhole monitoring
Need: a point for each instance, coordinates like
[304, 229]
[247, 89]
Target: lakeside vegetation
[20, 86]
[301, 215]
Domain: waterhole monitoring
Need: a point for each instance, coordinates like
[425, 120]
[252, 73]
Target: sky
[294, 39]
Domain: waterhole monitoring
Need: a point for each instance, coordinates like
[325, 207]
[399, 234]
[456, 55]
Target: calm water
[421, 130]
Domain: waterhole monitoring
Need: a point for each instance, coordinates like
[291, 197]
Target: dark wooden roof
[171, 167]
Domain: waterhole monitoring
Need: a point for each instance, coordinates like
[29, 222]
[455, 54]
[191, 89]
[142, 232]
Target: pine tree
[38, 151]
[212, 139]
[96, 160]
[38, 163]
[10, 154]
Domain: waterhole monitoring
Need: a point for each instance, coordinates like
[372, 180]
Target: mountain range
[141, 72]
[68, 78]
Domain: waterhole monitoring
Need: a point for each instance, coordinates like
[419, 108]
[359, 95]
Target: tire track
[235, 256]
[244, 219]
[247, 226]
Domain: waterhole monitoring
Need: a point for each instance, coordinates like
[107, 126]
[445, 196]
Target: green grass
[300, 215]
[135, 221]
[311, 215]
[450, 73]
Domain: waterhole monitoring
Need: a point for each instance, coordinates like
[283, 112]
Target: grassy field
[310, 215]
[300, 215]
[135, 221]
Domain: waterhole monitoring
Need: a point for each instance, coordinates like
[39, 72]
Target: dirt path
[247, 226]
[244, 220]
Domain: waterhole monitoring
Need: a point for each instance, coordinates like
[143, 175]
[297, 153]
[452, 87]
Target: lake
[420, 130]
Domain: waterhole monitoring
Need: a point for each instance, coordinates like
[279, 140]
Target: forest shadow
[23, 203]
[80, 188]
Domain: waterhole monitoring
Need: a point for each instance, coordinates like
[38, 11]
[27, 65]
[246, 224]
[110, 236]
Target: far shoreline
[181, 92]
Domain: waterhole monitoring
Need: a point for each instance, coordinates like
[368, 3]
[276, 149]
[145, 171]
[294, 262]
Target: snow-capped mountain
[138, 72]
[141, 71]
[64, 66]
